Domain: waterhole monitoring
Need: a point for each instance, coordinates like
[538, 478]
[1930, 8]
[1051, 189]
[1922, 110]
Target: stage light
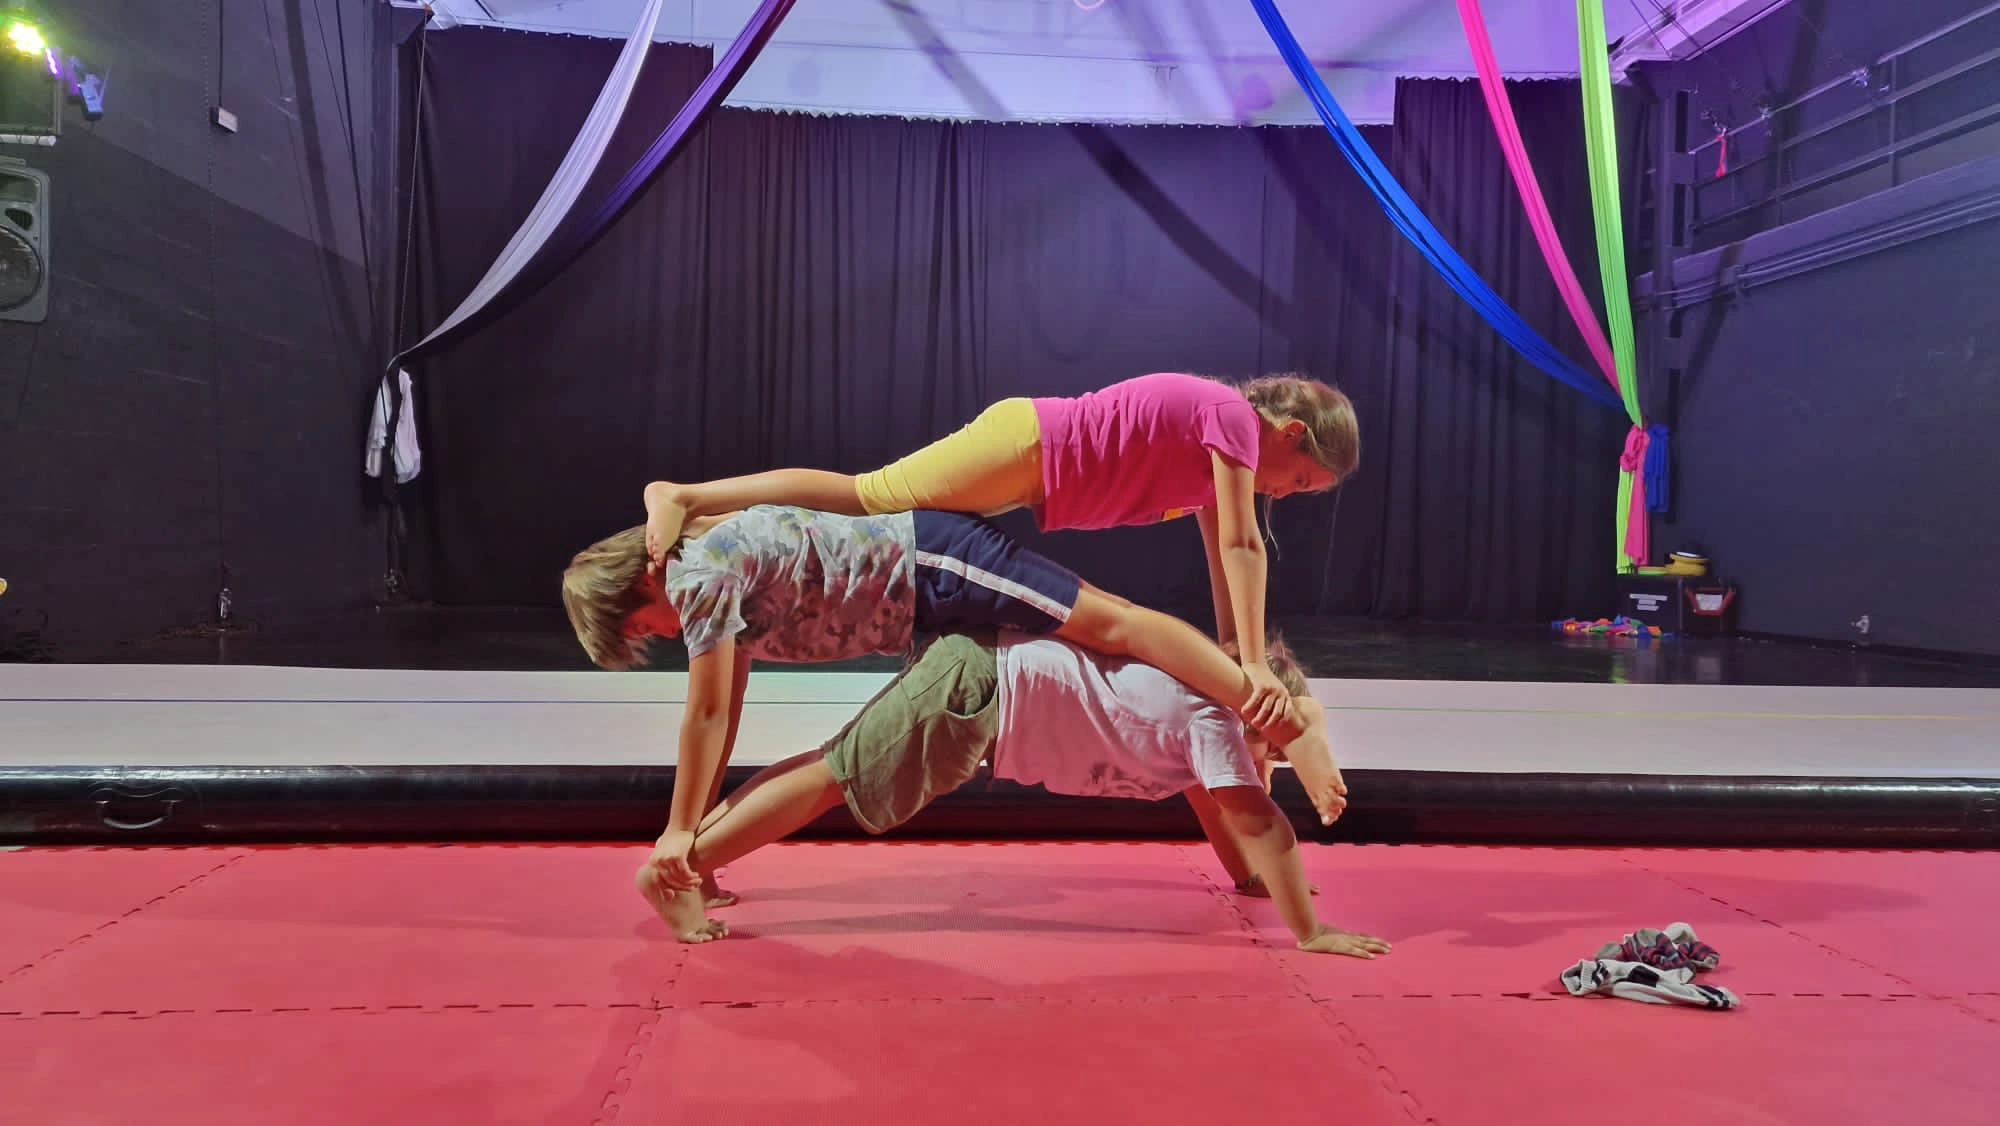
[26, 37]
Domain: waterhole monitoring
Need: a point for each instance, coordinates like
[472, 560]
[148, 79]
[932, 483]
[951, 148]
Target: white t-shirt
[1077, 722]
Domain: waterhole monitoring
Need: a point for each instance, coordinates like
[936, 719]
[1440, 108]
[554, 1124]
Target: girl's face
[1285, 467]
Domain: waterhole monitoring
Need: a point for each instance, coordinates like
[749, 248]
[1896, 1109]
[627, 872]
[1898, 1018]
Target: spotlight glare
[26, 38]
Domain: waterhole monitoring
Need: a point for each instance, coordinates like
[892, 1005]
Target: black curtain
[530, 415]
[1497, 484]
[835, 291]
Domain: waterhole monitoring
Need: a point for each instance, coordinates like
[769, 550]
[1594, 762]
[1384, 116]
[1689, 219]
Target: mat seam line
[35, 963]
[1411, 1106]
[612, 1105]
[881, 1002]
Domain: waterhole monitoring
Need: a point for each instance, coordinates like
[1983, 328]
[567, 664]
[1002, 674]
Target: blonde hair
[1278, 657]
[600, 590]
[1333, 434]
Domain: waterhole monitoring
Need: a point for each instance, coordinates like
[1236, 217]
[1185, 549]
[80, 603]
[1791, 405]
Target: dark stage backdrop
[1834, 449]
[190, 415]
[833, 292]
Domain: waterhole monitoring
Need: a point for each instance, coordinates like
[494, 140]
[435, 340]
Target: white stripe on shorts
[993, 582]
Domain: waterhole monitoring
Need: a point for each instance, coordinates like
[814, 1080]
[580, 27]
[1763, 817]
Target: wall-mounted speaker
[24, 242]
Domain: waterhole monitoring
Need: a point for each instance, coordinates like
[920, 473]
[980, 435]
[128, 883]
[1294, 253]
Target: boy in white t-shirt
[1047, 713]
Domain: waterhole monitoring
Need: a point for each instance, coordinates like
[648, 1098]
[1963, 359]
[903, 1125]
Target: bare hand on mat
[1333, 940]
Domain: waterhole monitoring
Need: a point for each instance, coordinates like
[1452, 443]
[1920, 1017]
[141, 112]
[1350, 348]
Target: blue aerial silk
[1409, 219]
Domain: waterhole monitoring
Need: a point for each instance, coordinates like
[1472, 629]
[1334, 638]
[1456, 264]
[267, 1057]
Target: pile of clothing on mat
[1654, 966]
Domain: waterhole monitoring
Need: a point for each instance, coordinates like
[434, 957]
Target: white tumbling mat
[236, 715]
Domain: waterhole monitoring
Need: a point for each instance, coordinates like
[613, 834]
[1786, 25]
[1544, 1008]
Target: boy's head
[1278, 656]
[613, 602]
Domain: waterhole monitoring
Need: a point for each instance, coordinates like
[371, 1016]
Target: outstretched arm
[1250, 816]
[1237, 572]
[707, 729]
[1226, 849]
[1236, 551]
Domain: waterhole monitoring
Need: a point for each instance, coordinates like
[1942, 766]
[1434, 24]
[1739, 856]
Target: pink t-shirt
[1136, 452]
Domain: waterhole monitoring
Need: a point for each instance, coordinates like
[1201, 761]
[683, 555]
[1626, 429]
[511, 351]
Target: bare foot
[680, 910]
[665, 518]
[712, 895]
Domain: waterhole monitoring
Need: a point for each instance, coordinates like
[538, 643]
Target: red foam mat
[53, 898]
[307, 1069]
[327, 927]
[885, 921]
[1051, 984]
[1509, 920]
[1876, 908]
[1245, 1060]
[1589, 1061]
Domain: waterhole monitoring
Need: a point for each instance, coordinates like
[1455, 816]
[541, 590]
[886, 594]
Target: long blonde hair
[1333, 434]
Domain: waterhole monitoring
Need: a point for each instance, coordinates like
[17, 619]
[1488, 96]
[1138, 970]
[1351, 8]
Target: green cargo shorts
[922, 736]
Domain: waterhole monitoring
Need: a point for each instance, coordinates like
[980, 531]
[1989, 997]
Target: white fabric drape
[568, 182]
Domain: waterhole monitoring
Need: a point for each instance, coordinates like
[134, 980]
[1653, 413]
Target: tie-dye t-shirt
[792, 584]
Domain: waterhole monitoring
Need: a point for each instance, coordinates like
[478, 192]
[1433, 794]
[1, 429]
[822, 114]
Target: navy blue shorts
[971, 575]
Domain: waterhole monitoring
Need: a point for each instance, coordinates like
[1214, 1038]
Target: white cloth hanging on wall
[407, 457]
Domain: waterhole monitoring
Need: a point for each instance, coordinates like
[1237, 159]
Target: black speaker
[24, 242]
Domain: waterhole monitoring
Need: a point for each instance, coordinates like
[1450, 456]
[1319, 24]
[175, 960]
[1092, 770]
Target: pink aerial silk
[1638, 538]
[1502, 111]
[1493, 86]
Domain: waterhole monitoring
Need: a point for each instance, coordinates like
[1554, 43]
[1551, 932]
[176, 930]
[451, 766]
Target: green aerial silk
[1600, 127]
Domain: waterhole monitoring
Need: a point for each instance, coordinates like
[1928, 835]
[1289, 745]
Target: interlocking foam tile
[1987, 1005]
[978, 1062]
[1922, 916]
[883, 921]
[376, 926]
[1589, 1061]
[51, 897]
[1509, 920]
[519, 1065]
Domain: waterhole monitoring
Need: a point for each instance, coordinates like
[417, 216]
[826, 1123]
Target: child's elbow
[1247, 545]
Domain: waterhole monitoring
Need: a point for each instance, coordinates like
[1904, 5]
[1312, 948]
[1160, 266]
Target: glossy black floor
[430, 638]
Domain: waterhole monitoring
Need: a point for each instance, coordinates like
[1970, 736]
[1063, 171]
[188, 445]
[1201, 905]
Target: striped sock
[1674, 948]
[1636, 981]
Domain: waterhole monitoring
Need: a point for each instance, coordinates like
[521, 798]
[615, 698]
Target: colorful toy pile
[1610, 627]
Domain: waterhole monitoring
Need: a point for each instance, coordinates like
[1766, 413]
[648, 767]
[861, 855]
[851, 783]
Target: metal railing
[1787, 187]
